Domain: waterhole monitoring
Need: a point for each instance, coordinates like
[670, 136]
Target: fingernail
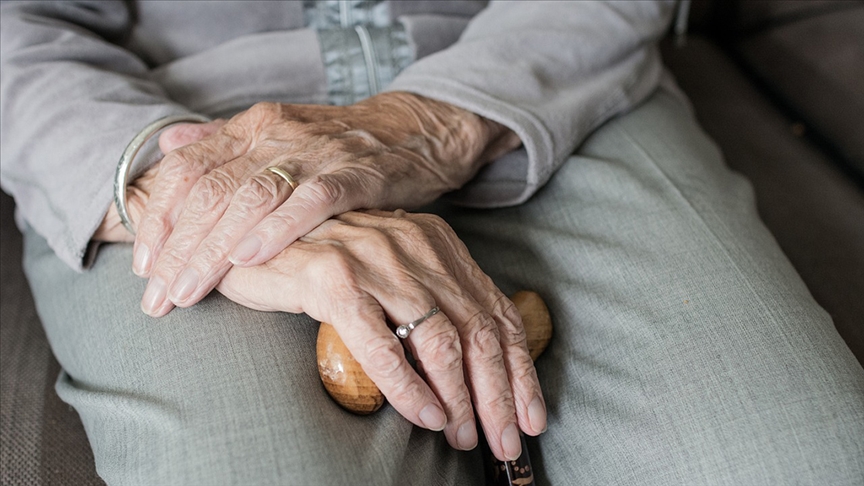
[185, 284]
[537, 415]
[141, 263]
[433, 417]
[511, 443]
[154, 296]
[245, 250]
[466, 436]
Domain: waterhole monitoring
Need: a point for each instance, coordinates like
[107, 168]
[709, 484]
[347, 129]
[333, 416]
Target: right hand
[362, 268]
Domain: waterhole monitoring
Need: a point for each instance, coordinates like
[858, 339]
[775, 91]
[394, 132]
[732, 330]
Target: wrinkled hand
[138, 192]
[213, 198]
[360, 268]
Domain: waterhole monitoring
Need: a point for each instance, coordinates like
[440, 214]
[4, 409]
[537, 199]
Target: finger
[382, 357]
[183, 134]
[441, 347]
[486, 361]
[202, 210]
[485, 370]
[359, 319]
[262, 193]
[530, 404]
[179, 171]
[438, 351]
[313, 202]
[436, 346]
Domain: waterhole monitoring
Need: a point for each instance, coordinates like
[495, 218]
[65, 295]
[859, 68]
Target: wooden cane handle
[351, 388]
[349, 385]
[343, 378]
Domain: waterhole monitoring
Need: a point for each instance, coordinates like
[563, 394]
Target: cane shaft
[508, 473]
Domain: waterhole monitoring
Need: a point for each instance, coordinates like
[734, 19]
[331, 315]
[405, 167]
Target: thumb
[181, 134]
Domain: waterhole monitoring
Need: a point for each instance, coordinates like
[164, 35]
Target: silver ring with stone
[404, 330]
[121, 176]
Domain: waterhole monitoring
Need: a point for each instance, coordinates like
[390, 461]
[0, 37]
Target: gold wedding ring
[285, 175]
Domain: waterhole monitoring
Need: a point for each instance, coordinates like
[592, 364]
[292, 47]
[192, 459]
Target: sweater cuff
[511, 179]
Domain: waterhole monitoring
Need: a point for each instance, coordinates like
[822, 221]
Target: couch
[777, 84]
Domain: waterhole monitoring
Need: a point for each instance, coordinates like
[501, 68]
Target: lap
[686, 349]
[214, 394]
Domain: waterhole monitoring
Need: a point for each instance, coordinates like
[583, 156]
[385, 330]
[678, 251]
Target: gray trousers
[686, 348]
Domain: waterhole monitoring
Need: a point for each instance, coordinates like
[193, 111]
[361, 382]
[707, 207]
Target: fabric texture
[686, 349]
[552, 101]
[690, 352]
[42, 441]
[810, 205]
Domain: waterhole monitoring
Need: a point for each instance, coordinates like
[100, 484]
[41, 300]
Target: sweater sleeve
[550, 71]
[70, 100]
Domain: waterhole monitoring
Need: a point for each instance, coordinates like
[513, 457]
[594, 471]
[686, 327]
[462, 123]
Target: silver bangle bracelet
[121, 176]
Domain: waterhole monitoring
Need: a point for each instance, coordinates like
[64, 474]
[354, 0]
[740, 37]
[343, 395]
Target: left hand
[213, 199]
[360, 269]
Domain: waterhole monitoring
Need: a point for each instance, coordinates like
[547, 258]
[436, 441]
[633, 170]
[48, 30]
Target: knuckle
[523, 371]
[512, 330]
[411, 230]
[501, 404]
[412, 235]
[171, 258]
[386, 357]
[485, 339]
[356, 142]
[371, 241]
[183, 163]
[214, 251]
[419, 232]
[407, 391]
[210, 191]
[177, 161]
[462, 405]
[274, 226]
[513, 334]
[153, 225]
[324, 191]
[185, 132]
[336, 267]
[337, 262]
[443, 350]
[265, 110]
[256, 192]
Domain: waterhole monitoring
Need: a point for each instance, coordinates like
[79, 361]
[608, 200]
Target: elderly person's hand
[359, 269]
[138, 192]
[213, 199]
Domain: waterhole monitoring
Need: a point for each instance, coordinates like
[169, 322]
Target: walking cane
[350, 387]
